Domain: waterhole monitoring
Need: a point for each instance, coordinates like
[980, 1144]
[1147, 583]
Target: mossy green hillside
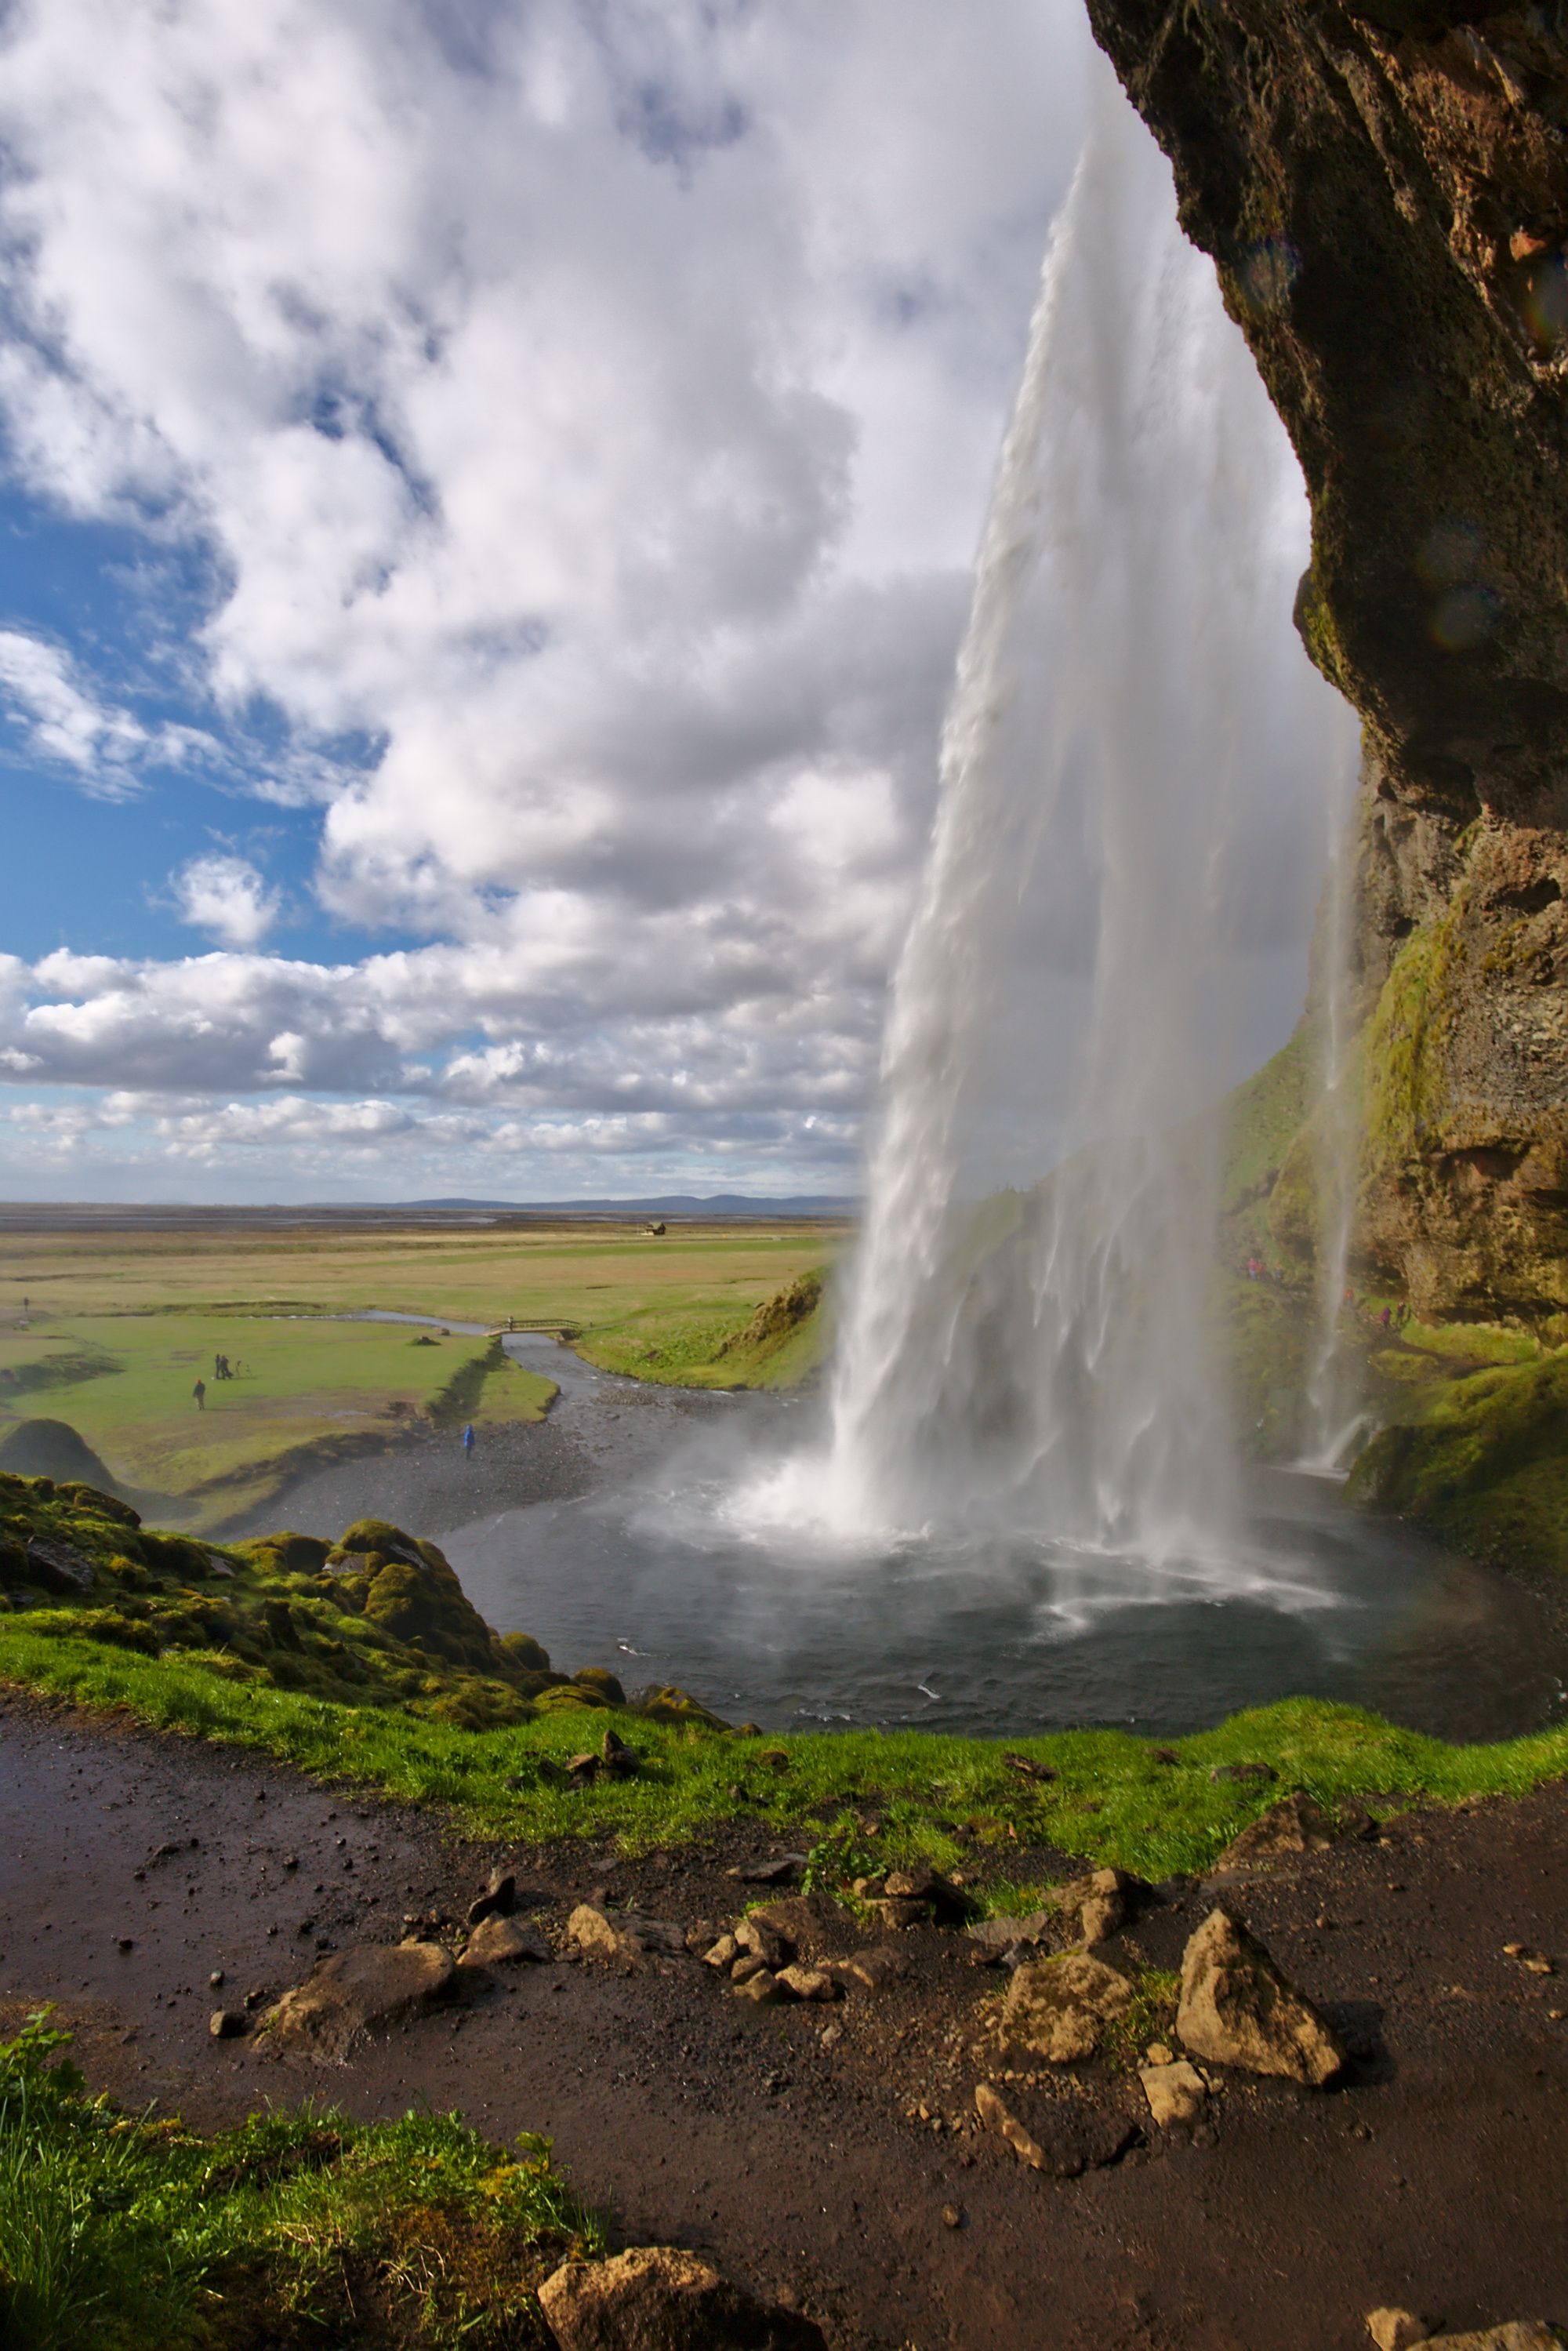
[782, 1343]
[377, 1620]
[1113, 1798]
[120, 2231]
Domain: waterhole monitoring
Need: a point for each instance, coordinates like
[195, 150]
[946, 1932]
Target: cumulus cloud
[588, 411]
[225, 895]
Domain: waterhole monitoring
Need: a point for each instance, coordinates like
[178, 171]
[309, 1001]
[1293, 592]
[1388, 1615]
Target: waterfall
[1024, 1338]
[1336, 1418]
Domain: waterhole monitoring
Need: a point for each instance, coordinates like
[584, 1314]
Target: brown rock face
[1236, 2008]
[1384, 187]
[660, 2298]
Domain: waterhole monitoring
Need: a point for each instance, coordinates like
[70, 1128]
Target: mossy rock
[290, 1554]
[668, 1703]
[566, 1698]
[101, 1505]
[175, 1555]
[599, 1678]
[531, 1656]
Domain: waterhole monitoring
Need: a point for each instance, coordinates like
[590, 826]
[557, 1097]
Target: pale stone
[1177, 2092]
[1056, 2007]
[360, 1991]
[1394, 2330]
[1238, 2009]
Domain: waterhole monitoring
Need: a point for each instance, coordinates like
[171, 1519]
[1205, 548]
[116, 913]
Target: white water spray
[1336, 1418]
[1035, 1357]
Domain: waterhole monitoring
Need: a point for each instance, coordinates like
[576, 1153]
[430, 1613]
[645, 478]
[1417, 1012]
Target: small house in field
[653, 1232]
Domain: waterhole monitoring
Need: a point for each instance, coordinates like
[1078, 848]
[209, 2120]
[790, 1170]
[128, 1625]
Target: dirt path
[1433, 2179]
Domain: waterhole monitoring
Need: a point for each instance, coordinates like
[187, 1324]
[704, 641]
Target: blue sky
[486, 517]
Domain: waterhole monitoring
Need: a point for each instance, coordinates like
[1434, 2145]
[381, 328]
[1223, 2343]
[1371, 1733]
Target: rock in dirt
[870, 1970]
[1177, 2093]
[1517, 2334]
[807, 1983]
[498, 1942]
[1238, 2009]
[1027, 1768]
[1295, 1824]
[661, 2298]
[772, 1949]
[995, 1936]
[499, 1899]
[759, 1987]
[360, 1991]
[629, 1937]
[1056, 2007]
[1394, 2330]
[724, 1953]
[809, 1923]
[228, 2024]
[1056, 2136]
[784, 1871]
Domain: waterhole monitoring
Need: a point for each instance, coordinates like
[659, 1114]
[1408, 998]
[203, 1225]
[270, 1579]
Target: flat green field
[109, 1331]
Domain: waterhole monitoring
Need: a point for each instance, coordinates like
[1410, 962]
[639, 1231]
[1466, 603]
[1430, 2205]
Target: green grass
[118, 1327]
[785, 1341]
[118, 2230]
[302, 1383]
[941, 1799]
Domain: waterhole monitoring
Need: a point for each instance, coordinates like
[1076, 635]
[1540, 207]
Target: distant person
[468, 1439]
[1386, 1317]
[200, 1393]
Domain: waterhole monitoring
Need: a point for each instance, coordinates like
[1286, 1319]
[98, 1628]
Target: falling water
[1336, 1414]
[1033, 1354]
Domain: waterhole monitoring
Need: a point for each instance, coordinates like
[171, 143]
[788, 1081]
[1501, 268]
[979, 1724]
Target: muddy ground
[1433, 2177]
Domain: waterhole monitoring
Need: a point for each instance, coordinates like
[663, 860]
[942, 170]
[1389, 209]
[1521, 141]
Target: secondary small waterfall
[1034, 1354]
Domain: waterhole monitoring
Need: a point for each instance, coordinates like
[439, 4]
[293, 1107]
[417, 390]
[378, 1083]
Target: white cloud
[224, 895]
[61, 719]
[594, 408]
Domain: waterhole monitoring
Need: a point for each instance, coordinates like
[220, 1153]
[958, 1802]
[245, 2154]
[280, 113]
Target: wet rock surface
[784, 2142]
[359, 1991]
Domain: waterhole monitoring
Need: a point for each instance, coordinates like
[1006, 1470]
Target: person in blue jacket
[468, 1438]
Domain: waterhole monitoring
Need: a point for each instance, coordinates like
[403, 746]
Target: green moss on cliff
[1485, 1464]
[1405, 1089]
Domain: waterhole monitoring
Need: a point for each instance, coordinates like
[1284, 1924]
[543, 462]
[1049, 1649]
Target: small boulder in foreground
[364, 1990]
[495, 1942]
[1396, 2330]
[1238, 2009]
[661, 2298]
[1057, 2008]
[1176, 2093]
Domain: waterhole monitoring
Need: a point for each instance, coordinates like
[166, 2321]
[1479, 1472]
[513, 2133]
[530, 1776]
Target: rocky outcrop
[1384, 187]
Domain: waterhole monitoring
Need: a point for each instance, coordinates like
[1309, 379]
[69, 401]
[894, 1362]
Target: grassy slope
[784, 1343]
[427, 1709]
[118, 2231]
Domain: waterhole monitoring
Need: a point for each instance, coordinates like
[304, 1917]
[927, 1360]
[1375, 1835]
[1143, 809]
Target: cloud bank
[582, 413]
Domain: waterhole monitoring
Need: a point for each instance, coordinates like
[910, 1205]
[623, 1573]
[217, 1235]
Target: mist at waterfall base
[1017, 1505]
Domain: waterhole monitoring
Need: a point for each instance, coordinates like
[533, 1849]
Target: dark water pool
[659, 1570]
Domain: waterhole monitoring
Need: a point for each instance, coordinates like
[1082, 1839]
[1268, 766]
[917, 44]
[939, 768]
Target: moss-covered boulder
[600, 1679]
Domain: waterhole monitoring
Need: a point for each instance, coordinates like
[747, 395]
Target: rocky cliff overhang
[1384, 188]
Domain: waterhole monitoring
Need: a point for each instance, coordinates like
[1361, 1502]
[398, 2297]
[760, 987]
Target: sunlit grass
[118, 2231]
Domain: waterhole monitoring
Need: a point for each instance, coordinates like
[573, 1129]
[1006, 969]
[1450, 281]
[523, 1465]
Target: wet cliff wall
[1384, 189]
